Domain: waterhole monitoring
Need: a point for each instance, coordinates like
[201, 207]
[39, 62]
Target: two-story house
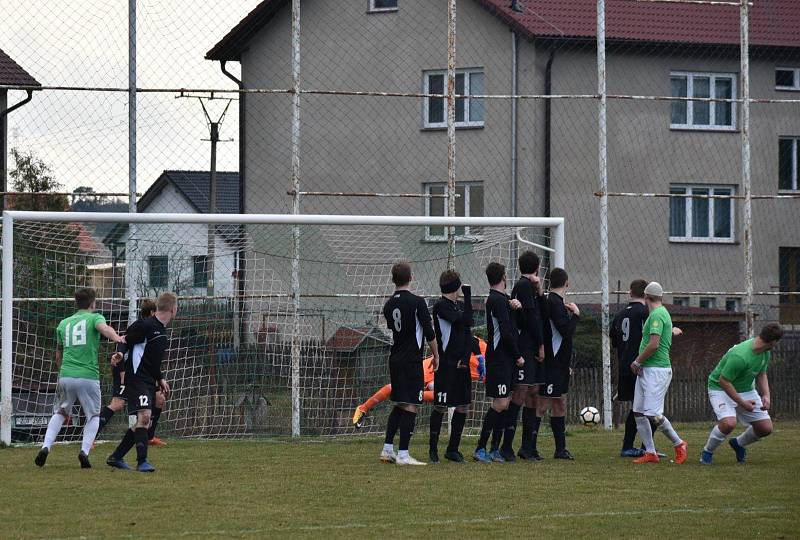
[539, 156]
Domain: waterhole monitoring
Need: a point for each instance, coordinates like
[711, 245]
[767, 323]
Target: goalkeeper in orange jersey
[477, 369]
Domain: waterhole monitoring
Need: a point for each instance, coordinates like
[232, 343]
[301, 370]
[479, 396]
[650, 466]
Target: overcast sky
[84, 135]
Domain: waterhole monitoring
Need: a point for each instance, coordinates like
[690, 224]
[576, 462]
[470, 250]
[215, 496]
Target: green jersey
[660, 323]
[79, 339]
[740, 366]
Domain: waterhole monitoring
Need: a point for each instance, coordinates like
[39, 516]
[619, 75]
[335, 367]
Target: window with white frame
[469, 203]
[699, 218]
[787, 78]
[708, 302]
[788, 163]
[682, 301]
[470, 112]
[715, 115]
[733, 304]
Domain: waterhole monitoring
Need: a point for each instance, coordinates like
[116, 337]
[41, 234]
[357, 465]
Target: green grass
[337, 489]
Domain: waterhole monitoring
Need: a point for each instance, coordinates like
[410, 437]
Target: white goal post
[12, 219]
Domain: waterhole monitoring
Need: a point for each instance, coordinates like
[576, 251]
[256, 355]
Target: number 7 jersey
[408, 318]
[78, 337]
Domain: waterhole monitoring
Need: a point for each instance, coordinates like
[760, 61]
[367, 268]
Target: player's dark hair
[146, 308]
[166, 301]
[84, 298]
[447, 277]
[528, 262]
[495, 273]
[637, 288]
[558, 278]
[771, 332]
[401, 274]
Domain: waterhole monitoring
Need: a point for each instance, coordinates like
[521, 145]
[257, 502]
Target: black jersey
[452, 322]
[408, 318]
[528, 319]
[501, 330]
[146, 342]
[626, 333]
[559, 331]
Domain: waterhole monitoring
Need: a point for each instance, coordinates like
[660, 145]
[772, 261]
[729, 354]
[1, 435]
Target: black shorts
[408, 382]
[626, 383]
[532, 373]
[452, 387]
[556, 383]
[118, 389]
[499, 378]
[139, 393]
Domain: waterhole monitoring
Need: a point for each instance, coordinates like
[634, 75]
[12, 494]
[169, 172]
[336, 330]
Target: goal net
[268, 340]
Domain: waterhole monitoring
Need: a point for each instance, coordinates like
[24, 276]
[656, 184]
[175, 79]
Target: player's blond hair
[166, 301]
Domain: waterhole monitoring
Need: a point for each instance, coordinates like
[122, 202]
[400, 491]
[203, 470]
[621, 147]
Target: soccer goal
[279, 329]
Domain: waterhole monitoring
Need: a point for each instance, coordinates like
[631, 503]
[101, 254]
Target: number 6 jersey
[408, 318]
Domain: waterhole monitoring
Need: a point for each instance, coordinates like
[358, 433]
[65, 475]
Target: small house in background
[361, 353]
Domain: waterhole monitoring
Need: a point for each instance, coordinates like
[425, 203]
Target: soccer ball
[589, 416]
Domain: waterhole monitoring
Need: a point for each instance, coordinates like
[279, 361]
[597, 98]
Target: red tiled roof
[772, 22]
[347, 339]
[12, 74]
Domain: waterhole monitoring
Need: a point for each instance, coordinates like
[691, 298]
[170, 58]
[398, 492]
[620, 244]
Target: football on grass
[589, 416]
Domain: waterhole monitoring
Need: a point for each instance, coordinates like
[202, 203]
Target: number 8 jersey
[408, 318]
[80, 340]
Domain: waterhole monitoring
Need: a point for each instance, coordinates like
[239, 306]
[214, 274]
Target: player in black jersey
[502, 356]
[146, 309]
[147, 341]
[408, 318]
[452, 382]
[528, 291]
[559, 329]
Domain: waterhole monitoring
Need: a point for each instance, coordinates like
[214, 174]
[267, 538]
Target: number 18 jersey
[78, 337]
[408, 318]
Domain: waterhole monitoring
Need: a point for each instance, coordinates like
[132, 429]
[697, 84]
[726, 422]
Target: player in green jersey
[738, 389]
[78, 338]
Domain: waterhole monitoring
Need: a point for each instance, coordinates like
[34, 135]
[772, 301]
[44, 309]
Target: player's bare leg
[755, 432]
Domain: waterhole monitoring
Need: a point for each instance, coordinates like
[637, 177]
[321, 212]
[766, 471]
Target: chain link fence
[666, 133]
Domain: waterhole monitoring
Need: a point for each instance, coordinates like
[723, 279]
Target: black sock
[537, 422]
[486, 429]
[436, 428]
[499, 429]
[105, 416]
[151, 431]
[407, 421]
[128, 440]
[528, 414]
[558, 425]
[456, 428]
[512, 417]
[630, 431]
[140, 435]
[392, 424]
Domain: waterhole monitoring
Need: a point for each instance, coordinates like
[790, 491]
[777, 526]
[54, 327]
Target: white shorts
[84, 391]
[651, 389]
[725, 407]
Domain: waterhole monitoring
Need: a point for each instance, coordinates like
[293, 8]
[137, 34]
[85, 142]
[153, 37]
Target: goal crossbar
[555, 224]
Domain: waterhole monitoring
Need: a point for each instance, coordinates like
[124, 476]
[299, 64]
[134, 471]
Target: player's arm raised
[652, 347]
[762, 385]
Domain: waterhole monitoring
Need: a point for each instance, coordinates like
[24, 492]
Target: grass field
[338, 489]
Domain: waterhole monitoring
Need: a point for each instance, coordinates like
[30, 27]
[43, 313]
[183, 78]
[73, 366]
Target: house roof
[12, 73]
[774, 23]
[347, 339]
[195, 187]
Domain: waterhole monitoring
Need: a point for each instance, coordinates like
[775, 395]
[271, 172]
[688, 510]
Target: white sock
[666, 428]
[402, 453]
[645, 433]
[89, 434]
[388, 447]
[53, 427]
[715, 438]
[748, 437]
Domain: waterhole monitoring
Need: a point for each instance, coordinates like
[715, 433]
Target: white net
[230, 355]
